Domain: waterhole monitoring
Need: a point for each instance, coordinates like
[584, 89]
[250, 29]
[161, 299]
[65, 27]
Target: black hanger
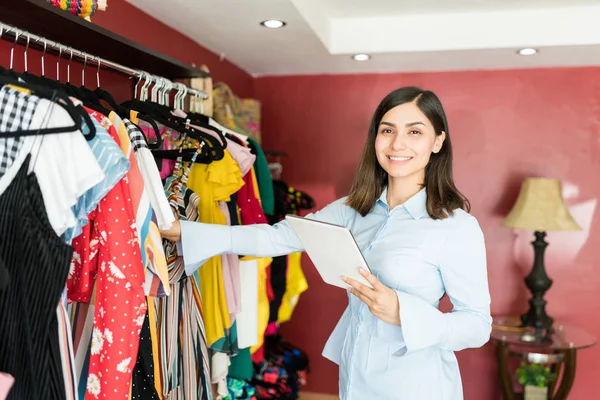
[212, 150]
[77, 113]
[203, 121]
[185, 154]
[157, 113]
[124, 112]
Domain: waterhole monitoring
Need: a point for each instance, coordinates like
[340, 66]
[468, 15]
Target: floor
[317, 396]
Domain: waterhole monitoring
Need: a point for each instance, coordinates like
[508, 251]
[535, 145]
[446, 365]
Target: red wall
[505, 125]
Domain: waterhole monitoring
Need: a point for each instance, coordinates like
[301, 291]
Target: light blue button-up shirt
[421, 259]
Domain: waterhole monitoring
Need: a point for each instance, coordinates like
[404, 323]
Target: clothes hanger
[207, 122]
[70, 88]
[126, 113]
[90, 99]
[9, 77]
[201, 120]
[101, 94]
[77, 113]
[186, 154]
[162, 115]
[3, 71]
[43, 80]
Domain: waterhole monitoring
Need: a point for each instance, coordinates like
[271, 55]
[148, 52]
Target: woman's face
[404, 143]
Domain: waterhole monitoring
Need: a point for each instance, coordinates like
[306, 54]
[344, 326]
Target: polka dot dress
[107, 256]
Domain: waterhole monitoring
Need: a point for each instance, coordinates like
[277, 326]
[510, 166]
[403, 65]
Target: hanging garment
[150, 173]
[169, 139]
[153, 256]
[157, 274]
[38, 263]
[114, 165]
[184, 358]
[247, 319]
[107, 262]
[296, 284]
[54, 154]
[214, 182]
[142, 383]
[265, 183]
[76, 330]
[278, 283]
[17, 110]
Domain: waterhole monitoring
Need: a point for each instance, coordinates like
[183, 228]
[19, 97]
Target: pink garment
[242, 155]
[6, 382]
[168, 136]
[231, 274]
[271, 329]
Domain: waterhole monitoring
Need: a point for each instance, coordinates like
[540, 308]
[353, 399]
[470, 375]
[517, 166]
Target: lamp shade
[540, 207]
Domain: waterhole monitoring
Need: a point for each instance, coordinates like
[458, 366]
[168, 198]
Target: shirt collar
[416, 205]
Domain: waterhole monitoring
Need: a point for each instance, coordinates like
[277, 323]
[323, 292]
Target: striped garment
[157, 281]
[185, 370]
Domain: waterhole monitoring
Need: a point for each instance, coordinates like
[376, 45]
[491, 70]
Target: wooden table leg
[566, 383]
[503, 371]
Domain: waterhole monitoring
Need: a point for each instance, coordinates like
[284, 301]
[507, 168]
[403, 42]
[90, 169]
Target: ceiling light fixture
[529, 51]
[273, 24]
[361, 57]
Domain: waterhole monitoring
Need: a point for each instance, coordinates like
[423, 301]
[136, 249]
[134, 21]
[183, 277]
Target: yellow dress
[296, 284]
[214, 182]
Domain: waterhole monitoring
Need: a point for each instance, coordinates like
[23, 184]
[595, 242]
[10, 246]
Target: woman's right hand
[174, 233]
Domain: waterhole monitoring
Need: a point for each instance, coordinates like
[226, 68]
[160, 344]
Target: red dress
[107, 256]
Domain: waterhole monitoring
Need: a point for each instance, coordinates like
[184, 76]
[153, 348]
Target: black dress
[37, 262]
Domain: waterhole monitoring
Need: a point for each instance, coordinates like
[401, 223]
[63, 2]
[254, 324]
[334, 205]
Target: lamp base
[538, 284]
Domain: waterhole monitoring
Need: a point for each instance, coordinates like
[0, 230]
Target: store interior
[296, 103]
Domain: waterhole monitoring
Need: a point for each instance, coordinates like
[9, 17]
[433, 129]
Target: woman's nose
[398, 142]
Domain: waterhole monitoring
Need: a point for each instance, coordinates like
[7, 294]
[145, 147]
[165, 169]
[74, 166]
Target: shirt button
[259, 215]
[248, 200]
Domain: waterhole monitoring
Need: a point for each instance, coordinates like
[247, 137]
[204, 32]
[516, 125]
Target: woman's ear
[439, 142]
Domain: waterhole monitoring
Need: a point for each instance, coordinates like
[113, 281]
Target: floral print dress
[107, 271]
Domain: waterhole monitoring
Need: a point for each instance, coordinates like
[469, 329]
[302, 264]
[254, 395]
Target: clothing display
[95, 304]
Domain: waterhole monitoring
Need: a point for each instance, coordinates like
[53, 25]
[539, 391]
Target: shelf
[43, 19]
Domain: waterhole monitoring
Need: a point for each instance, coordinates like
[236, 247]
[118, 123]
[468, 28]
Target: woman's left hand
[381, 300]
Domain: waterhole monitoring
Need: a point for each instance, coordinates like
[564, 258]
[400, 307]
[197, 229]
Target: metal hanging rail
[89, 59]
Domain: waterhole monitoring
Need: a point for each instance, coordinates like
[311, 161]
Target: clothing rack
[45, 44]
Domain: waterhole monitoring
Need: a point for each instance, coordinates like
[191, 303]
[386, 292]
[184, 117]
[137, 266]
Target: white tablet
[331, 248]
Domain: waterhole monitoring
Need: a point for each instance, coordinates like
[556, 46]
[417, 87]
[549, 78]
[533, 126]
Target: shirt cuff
[199, 242]
[423, 325]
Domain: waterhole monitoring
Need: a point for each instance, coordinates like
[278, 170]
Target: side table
[560, 352]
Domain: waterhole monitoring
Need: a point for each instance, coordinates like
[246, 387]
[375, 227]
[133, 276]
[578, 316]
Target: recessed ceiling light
[273, 24]
[361, 57]
[528, 51]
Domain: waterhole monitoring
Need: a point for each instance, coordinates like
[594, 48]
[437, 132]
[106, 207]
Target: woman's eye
[386, 131]
[415, 132]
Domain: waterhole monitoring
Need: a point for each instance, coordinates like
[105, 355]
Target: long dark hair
[442, 195]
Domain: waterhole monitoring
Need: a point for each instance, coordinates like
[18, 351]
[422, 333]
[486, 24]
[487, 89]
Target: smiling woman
[410, 223]
[408, 143]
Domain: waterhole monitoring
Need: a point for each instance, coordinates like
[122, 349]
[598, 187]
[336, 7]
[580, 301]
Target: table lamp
[541, 208]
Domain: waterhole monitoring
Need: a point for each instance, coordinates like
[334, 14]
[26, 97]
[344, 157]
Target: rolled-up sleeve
[200, 241]
[463, 268]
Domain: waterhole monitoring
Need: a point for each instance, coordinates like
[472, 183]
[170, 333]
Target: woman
[410, 222]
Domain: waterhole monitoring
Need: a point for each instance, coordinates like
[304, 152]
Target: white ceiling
[401, 35]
